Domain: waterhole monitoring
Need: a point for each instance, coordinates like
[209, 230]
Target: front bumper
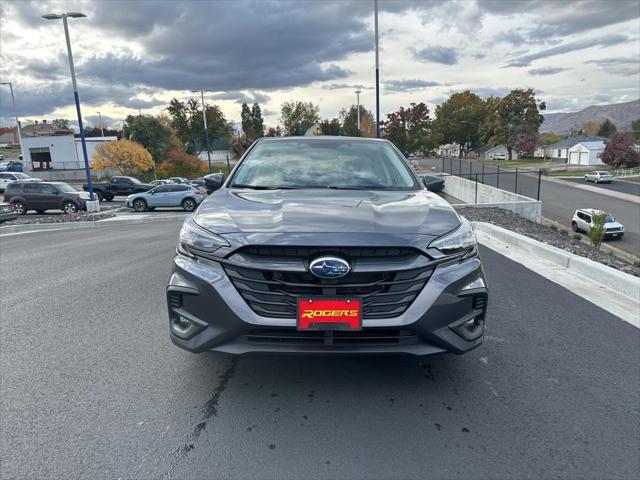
[206, 312]
[6, 216]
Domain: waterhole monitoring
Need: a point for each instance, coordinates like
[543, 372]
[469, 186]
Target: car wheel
[69, 208]
[108, 198]
[574, 226]
[20, 208]
[99, 194]
[139, 205]
[189, 205]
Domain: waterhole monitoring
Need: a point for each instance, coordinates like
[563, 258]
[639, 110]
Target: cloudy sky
[140, 54]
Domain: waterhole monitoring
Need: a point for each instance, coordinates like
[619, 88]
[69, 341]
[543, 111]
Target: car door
[586, 221]
[5, 178]
[179, 192]
[49, 198]
[161, 196]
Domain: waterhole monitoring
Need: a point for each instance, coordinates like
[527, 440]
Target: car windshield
[324, 163]
[134, 180]
[610, 218]
[21, 175]
[65, 188]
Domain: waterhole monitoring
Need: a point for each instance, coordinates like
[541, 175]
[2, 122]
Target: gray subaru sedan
[326, 245]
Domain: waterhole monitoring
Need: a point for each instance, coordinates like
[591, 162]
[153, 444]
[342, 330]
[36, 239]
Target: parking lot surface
[93, 388]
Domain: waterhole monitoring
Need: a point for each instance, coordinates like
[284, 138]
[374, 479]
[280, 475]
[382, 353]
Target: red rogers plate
[329, 314]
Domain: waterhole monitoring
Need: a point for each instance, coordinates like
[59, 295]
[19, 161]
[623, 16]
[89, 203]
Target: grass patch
[4, 151]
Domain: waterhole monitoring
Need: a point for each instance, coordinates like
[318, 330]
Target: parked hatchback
[582, 221]
[600, 176]
[174, 195]
[43, 196]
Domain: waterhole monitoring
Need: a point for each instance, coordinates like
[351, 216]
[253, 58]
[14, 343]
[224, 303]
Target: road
[559, 199]
[632, 188]
[93, 388]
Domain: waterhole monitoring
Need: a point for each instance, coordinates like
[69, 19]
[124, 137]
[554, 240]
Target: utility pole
[64, 16]
[358, 92]
[15, 113]
[206, 130]
[101, 127]
[377, 72]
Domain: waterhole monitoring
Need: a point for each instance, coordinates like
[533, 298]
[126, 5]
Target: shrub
[564, 231]
[596, 233]
[554, 227]
[577, 236]
[178, 163]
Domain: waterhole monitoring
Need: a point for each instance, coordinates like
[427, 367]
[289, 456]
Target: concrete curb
[610, 193]
[43, 227]
[626, 284]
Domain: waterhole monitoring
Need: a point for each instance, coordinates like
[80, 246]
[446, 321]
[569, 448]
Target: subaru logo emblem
[329, 267]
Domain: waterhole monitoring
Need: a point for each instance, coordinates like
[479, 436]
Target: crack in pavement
[209, 410]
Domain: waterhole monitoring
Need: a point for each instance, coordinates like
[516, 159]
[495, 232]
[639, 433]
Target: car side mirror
[214, 181]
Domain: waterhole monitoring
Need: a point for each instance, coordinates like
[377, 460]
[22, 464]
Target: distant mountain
[621, 114]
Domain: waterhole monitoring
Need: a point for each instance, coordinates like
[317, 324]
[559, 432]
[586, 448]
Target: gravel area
[62, 218]
[546, 234]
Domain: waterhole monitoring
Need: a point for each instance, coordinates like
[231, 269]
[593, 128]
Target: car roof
[591, 210]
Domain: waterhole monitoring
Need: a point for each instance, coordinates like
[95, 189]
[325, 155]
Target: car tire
[189, 204]
[98, 194]
[108, 198]
[574, 226]
[20, 208]
[139, 205]
[69, 208]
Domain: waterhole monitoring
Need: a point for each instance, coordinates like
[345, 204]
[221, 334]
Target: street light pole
[206, 130]
[358, 92]
[101, 127]
[15, 114]
[64, 16]
[377, 72]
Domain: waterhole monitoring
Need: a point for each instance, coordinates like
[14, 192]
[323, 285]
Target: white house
[500, 151]
[449, 150]
[586, 153]
[58, 152]
[560, 150]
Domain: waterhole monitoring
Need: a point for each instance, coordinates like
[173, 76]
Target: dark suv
[42, 196]
[326, 245]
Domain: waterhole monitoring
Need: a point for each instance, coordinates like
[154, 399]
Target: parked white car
[8, 177]
[599, 176]
[499, 156]
[582, 221]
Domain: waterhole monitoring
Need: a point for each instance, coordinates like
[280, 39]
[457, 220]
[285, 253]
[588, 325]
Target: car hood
[613, 225]
[326, 211]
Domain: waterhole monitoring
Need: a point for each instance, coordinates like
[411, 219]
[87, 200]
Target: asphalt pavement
[559, 198]
[93, 388]
[632, 188]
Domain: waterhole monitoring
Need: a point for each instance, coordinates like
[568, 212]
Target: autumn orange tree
[125, 156]
[178, 163]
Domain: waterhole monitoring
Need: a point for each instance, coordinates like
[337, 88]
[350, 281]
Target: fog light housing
[470, 328]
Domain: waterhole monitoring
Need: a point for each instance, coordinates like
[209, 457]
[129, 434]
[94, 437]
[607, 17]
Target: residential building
[560, 150]
[586, 153]
[43, 129]
[500, 151]
[449, 150]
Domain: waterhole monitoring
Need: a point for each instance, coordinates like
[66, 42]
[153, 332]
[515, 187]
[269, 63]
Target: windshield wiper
[263, 187]
[336, 187]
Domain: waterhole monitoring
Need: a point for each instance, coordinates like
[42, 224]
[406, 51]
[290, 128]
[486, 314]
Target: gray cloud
[346, 86]
[627, 66]
[604, 41]
[510, 36]
[546, 70]
[242, 97]
[436, 54]
[408, 84]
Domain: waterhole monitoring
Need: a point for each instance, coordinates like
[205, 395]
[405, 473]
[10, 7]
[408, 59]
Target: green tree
[178, 163]
[331, 127]
[125, 156]
[258, 122]
[458, 120]
[186, 119]
[590, 128]
[350, 121]
[620, 150]
[607, 129]
[297, 117]
[148, 132]
[512, 117]
[246, 119]
[274, 131]
[549, 138]
[596, 232]
[252, 122]
[61, 123]
[635, 129]
[409, 128]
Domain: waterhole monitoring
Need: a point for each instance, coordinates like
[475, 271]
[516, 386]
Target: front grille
[347, 252]
[175, 299]
[290, 336]
[274, 293]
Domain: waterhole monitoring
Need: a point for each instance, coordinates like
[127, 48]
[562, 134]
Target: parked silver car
[186, 196]
[582, 221]
[599, 176]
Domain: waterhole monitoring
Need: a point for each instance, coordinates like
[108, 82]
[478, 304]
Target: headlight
[461, 240]
[194, 239]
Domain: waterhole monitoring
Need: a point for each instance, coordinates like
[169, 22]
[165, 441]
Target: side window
[126, 181]
[49, 189]
[559, 153]
[32, 188]
[115, 179]
[6, 176]
[587, 218]
[162, 189]
[180, 188]
[581, 216]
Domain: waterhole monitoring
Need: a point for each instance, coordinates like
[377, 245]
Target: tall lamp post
[375, 15]
[15, 114]
[64, 16]
[101, 127]
[358, 92]
[206, 130]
